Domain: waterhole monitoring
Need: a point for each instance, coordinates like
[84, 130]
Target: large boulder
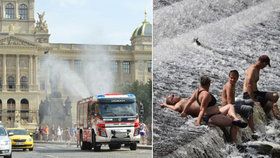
[179, 137]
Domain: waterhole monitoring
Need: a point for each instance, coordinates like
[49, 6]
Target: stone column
[4, 111]
[17, 74]
[4, 84]
[35, 79]
[30, 73]
[71, 64]
[139, 68]
[116, 72]
[121, 73]
[132, 71]
[16, 11]
[31, 10]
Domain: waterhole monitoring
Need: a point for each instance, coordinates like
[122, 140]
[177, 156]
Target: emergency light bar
[111, 98]
[130, 96]
[123, 98]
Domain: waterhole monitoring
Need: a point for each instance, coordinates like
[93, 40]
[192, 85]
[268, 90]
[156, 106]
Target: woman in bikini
[209, 110]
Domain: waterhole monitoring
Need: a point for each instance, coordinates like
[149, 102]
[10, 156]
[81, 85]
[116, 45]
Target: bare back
[251, 79]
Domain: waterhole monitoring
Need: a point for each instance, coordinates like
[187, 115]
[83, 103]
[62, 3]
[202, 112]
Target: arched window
[11, 83]
[23, 12]
[10, 11]
[24, 83]
[24, 109]
[11, 104]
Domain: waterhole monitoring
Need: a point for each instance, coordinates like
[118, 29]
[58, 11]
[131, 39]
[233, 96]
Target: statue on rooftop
[41, 25]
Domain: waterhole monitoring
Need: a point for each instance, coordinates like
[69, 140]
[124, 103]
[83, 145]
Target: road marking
[51, 156]
[40, 147]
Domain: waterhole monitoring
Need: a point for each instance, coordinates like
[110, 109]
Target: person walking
[59, 134]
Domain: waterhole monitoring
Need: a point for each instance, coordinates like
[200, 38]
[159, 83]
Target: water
[92, 74]
[95, 75]
[233, 34]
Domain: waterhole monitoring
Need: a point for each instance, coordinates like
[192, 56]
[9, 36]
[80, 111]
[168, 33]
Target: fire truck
[110, 119]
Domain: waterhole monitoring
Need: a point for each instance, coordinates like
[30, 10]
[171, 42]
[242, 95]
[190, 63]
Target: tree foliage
[143, 93]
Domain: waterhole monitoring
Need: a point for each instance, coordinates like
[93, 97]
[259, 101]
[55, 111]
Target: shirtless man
[228, 97]
[267, 100]
[177, 103]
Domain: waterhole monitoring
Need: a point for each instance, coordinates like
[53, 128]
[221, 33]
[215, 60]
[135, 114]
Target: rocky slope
[232, 34]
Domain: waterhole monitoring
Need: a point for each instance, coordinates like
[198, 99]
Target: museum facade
[25, 46]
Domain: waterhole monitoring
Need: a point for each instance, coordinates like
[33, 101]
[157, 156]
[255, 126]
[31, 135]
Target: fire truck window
[97, 109]
[105, 107]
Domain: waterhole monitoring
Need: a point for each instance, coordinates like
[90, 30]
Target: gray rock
[275, 153]
[230, 39]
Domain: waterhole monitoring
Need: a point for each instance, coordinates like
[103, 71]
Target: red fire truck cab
[108, 119]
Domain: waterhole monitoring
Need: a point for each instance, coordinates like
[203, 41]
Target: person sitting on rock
[242, 107]
[176, 103]
[209, 111]
[267, 100]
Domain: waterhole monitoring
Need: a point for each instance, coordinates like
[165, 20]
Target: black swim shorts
[259, 95]
[243, 109]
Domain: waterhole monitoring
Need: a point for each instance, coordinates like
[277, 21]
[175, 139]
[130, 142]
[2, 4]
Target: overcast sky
[93, 21]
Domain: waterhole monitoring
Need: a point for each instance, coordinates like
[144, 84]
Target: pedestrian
[40, 133]
[59, 134]
[47, 132]
[143, 133]
[67, 136]
[52, 133]
[44, 133]
[36, 133]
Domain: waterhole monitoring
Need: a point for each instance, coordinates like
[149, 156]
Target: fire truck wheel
[114, 146]
[133, 146]
[89, 146]
[97, 148]
[83, 145]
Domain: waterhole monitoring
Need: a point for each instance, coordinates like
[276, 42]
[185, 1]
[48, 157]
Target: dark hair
[234, 72]
[265, 59]
[168, 99]
[205, 81]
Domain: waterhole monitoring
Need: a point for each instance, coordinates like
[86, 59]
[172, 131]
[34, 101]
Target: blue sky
[93, 21]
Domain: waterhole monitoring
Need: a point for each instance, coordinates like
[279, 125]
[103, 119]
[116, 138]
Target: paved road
[63, 151]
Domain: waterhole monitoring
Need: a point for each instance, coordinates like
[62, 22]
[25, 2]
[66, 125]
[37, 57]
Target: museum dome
[145, 29]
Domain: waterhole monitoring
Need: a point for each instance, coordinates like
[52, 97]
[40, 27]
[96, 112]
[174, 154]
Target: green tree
[143, 93]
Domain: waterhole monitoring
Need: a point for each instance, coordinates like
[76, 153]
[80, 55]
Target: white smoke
[95, 76]
[98, 71]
